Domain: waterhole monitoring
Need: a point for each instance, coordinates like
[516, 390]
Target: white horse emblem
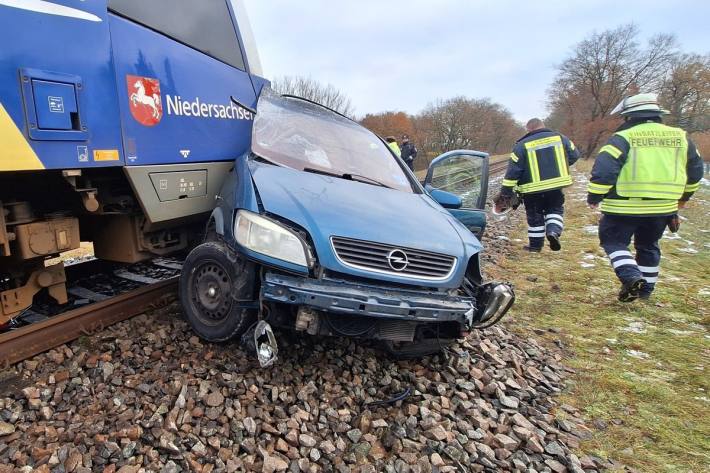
[139, 96]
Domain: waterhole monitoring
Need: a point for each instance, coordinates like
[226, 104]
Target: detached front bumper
[346, 297]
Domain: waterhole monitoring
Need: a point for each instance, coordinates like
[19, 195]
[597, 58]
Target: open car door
[463, 173]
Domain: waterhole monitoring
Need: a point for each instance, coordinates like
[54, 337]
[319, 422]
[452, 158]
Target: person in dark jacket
[644, 173]
[409, 152]
[538, 170]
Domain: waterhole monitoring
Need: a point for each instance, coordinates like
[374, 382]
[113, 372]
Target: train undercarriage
[43, 215]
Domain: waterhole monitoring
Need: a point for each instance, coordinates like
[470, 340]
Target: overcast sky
[403, 54]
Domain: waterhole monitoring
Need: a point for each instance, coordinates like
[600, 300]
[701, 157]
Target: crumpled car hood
[329, 206]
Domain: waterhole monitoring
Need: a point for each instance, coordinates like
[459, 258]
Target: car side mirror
[445, 199]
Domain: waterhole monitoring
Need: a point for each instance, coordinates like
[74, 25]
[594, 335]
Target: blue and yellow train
[119, 120]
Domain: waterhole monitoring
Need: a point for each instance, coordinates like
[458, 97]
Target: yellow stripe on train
[16, 154]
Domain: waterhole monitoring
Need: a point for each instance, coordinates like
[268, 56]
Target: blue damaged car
[321, 229]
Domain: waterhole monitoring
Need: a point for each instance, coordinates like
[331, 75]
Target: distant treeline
[600, 71]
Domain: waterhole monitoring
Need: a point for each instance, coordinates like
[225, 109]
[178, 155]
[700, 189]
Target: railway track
[497, 167]
[100, 294]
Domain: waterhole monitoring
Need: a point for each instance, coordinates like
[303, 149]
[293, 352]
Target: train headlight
[264, 236]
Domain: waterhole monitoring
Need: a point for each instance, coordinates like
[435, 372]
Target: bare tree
[389, 123]
[455, 123]
[686, 92]
[702, 142]
[451, 127]
[464, 123]
[601, 70]
[311, 89]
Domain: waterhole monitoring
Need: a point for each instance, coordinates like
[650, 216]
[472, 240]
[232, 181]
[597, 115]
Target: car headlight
[267, 237]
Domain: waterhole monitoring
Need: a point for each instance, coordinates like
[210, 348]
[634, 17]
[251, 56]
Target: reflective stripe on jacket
[644, 169]
[540, 162]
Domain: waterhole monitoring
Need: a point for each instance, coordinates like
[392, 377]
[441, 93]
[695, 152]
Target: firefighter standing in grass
[640, 178]
[538, 170]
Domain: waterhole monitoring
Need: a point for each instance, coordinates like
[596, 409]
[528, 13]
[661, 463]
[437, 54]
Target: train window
[205, 25]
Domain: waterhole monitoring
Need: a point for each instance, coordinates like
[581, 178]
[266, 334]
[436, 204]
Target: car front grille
[389, 259]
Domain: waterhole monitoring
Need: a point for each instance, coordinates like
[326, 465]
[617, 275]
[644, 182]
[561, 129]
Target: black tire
[212, 281]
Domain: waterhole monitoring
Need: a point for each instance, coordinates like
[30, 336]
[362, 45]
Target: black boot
[532, 249]
[554, 240]
[646, 291]
[630, 291]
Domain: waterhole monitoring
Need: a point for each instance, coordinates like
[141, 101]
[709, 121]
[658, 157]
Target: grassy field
[642, 368]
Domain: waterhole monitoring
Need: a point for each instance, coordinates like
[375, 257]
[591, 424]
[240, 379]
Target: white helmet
[639, 104]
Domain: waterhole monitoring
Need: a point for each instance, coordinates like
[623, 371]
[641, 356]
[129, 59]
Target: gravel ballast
[148, 395]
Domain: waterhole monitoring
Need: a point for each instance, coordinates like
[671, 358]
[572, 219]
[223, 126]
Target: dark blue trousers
[615, 233]
[544, 212]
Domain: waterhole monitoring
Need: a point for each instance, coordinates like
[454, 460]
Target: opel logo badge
[397, 259]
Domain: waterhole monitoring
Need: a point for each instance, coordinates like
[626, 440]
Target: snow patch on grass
[680, 332]
[637, 354]
[635, 327]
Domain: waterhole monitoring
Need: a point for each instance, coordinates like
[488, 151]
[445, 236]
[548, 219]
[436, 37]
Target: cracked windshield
[301, 135]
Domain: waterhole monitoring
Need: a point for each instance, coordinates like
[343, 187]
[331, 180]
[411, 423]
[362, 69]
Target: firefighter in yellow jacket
[392, 143]
[640, 178]
[538, 170]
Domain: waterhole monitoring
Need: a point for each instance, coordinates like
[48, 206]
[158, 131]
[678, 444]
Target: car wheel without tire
[213, 281]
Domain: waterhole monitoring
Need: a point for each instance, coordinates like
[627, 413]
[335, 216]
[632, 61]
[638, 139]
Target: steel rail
[498, 167]
[39, 337]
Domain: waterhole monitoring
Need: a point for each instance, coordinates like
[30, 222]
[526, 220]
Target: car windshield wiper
[370, 180]
[320, 171]
[348, 176]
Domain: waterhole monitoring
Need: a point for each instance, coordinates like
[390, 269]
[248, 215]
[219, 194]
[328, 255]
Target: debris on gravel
[147, 395]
